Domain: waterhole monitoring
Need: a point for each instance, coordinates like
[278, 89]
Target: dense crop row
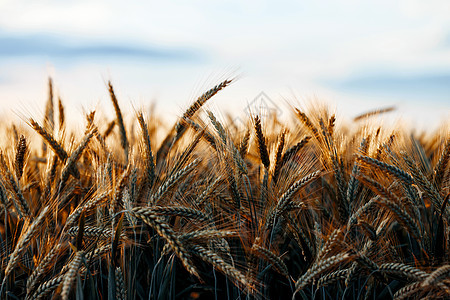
[277, 209]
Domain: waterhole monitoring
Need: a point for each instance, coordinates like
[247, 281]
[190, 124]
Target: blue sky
[356, 55]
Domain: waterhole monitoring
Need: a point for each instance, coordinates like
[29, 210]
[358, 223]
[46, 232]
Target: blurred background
[355, 55]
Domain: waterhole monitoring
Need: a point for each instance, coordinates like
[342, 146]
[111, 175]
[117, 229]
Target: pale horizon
[356, 55]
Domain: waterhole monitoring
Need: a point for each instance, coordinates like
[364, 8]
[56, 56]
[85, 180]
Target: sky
[355, 55]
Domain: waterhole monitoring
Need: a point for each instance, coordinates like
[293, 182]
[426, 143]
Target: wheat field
[280, 209]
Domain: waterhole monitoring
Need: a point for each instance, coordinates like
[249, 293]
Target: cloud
[420, 86]
[58, 47]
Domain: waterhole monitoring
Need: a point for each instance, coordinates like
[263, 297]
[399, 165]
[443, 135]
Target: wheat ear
[243, 146]
[261, 141]
[149, 160]
[74, 157]
[286, 198]
[272, 258]
[170, 182]
[332, 278]
[278, 157]
[45, 288]
[109, 129]
[207, 235]
[403, 270]
[62, 117]
[407, 291]
[308, 124]
[220, 264]
[353, 182]
[190, 213]
[41, 267]
[168, 234]
[71, 274]
[318, 268]
[206, 135]
[439, 169]
[21, 204]
[90, 204]
[49, 119]
[123, 133]
[422, 181]
[390, 169]
[329, 244]
[120, 285]
[443, 272]
[57, 148]
[373, 113]
[180, 127]
[292, 151]
[24, 240]
[390, 202]
[20, 157]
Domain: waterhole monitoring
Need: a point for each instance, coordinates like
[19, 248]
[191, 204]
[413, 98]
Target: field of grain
[281, 209]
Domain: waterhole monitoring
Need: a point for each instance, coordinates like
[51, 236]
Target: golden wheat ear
[123, 133]
[21, 152]
[50, 140]
[150, 175]
[180, 126]
[261, 141]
